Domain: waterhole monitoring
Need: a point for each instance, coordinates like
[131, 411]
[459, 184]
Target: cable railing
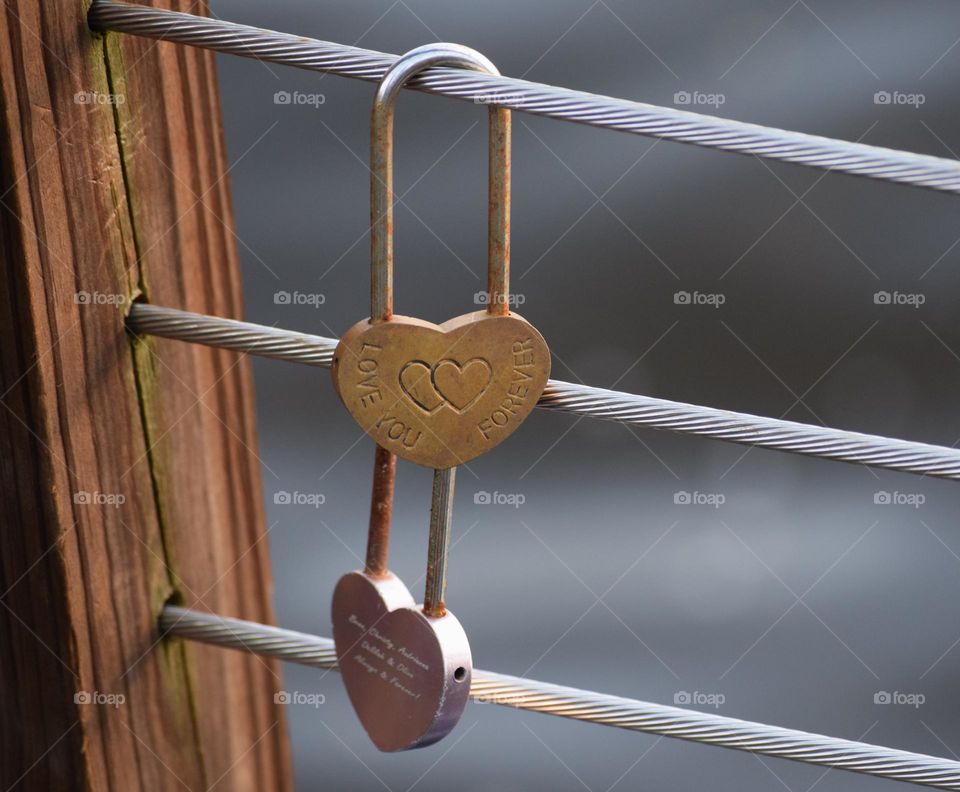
[627, 408]
[623, 115]
[587, 705]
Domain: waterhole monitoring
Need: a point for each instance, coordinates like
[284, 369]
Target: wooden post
[129, 472]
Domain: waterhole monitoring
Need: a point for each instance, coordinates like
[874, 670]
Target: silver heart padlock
[406, 667]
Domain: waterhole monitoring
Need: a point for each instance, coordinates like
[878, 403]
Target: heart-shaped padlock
[440, 395]
[407, 673]
[407, 669]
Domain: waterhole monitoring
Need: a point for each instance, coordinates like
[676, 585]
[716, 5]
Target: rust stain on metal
[381, 512]
[498, 217]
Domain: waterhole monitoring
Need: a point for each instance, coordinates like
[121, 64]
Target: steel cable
[585, 705]
[627, 408]
[638, 118]
[255, 339]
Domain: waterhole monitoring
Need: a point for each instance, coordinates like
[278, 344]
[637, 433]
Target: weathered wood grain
[119, 199]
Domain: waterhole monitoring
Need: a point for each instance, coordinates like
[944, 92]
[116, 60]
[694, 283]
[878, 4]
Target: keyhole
[460, 674]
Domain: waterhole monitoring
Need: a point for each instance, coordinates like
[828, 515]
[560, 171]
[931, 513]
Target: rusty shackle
[381, 178]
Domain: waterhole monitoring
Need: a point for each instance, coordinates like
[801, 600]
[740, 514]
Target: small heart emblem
[441, 395]
[461, 386]
[407, 675]
[416, 379]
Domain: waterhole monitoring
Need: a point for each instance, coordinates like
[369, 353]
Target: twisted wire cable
[293, 647]
[735, 427]
[638, 118]
[627, 408]
[214, 331]
[586, 705]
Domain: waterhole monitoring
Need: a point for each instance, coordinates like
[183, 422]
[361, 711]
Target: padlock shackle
[381, 178]
[381, 513]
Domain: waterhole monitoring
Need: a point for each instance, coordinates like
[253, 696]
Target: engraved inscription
[368, 385]
[398, 431]
[517, 392]
[381, 657]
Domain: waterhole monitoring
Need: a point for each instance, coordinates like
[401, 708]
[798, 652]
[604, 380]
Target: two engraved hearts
[441, 395]
[448, 382]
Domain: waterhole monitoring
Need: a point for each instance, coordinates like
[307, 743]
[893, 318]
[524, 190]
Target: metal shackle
[381, 178]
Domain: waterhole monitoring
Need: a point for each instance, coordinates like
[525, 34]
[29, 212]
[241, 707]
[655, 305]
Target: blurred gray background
[796, 600]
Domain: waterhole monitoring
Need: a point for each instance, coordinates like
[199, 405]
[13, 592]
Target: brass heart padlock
[440, 395]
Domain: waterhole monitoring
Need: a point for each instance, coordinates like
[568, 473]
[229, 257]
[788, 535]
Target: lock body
[407, 674]
[441, 395]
